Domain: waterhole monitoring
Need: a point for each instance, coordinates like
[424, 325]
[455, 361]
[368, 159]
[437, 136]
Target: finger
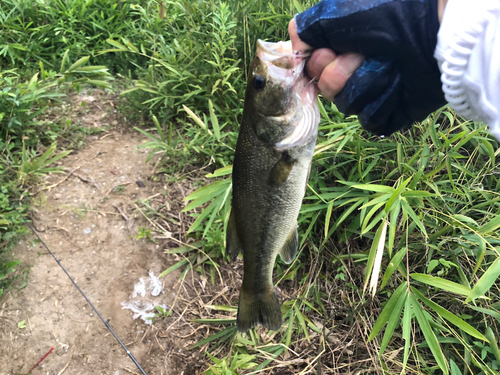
[319, 60]
[297, 44]
[335, 75]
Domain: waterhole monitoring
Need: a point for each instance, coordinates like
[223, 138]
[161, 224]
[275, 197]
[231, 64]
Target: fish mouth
[280, 49]
[281, 54]
[286, 67]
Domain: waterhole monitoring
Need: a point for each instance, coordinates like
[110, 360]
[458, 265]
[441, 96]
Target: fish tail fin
[263, 308]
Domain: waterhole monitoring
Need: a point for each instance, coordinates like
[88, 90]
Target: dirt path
[89, 221]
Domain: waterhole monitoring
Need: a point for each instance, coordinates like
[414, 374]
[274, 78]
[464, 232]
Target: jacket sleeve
[468, 53]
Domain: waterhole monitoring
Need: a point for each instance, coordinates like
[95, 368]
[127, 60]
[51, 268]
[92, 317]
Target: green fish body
[270, 171]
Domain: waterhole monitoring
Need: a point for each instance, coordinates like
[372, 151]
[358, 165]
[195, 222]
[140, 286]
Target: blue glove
[399, 81]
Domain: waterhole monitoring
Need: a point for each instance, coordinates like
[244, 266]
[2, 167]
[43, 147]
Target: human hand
[330, 70]
[399, 80]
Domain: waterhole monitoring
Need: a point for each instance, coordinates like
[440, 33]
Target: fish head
[282, 98]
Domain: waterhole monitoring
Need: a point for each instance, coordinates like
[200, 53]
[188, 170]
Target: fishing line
[77, 287]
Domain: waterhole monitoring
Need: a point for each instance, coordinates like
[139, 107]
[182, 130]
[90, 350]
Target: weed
[145, 233]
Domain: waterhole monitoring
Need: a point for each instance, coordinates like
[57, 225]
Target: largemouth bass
[270, 171]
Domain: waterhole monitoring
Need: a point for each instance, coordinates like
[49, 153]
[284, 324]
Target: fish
[271, 167]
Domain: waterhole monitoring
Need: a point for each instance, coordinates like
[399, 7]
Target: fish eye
[258, 82]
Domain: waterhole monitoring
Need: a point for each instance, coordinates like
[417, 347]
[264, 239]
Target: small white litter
[145, 297]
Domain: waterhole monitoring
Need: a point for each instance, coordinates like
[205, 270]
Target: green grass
[428, 197]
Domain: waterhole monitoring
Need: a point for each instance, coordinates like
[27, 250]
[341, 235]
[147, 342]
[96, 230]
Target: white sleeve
[468, 53]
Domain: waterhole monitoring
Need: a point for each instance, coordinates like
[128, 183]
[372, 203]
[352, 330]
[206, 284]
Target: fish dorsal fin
[289, 249]
[233, 244]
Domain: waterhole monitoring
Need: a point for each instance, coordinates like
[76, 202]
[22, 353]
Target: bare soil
[89, 218]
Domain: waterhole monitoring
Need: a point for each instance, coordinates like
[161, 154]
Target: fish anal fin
[281, 170]
[261, 308]
[289, 249]
[233, 244]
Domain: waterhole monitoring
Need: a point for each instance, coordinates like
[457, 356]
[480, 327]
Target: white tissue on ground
[142, 303]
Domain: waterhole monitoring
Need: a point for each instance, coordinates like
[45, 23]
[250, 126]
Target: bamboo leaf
[480, 255]
[206, 193]
[302, 323]
[485, 282]
[77, 64]
[298, 6]
[492, 338]
[406, 326]
[396, 194]
[393, 320]
[173, 267]
[375, 188]
[373, 252]
[491, 226]
[417, 194]
[387, 310]
[413, 215]
[440, 283]
[158, 128]
[196, 119]
[327, 218]
[226, 333]
[393, 265]
[378, 258]
[344, 216]
[392, 227]
[215, 121]
[221, 172]
[131, 46]
[486, 148]
[490, 312]
[455, 370]
[452, 318]
[64, 59]
[429, 335]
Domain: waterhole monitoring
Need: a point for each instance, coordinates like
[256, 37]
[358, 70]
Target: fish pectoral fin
[263, 308]
[233, 244]
[281, 170]
[289, 249]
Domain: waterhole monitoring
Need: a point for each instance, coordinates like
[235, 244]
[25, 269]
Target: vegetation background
[423, 203]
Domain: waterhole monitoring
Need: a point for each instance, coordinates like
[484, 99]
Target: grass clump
[43, 30]
[28, 142]
[427, 199]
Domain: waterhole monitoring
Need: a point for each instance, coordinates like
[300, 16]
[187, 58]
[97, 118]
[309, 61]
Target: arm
[468, 54]
[398, 82]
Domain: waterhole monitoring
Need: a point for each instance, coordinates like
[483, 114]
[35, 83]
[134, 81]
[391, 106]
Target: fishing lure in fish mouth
[270, 171]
